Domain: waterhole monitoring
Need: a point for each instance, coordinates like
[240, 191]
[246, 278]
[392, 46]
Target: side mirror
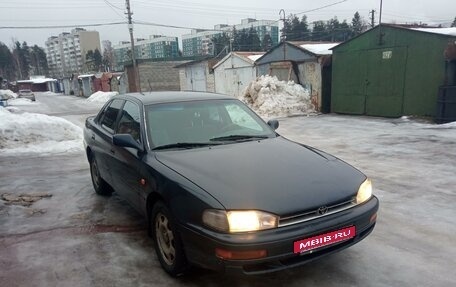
[126, 140]
[274, 124]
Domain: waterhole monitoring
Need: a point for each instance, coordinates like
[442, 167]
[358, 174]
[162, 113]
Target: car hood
[274, 175]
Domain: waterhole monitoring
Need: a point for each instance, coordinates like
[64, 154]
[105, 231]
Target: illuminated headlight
[239, 221]
[364, 192]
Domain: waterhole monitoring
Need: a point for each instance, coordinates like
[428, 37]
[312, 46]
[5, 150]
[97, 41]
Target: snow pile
[101, 97]
[270, 97]
[21, 102]
[22, 133]
[49, 93]
[7, 94]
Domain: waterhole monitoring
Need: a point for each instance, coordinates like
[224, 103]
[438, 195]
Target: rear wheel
[167, 242]
[99, 184]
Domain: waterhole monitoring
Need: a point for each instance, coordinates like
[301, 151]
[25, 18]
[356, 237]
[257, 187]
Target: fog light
[239, 255]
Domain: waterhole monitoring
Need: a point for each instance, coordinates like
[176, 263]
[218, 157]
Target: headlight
[239, 221]
[364, 192]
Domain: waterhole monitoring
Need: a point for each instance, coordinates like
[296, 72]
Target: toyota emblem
[322, 210]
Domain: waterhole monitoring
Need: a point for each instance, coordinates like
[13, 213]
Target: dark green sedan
[220, 188]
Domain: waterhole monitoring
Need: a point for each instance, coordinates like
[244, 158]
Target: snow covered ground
[270, 97]
[21, 102]
[7, 94]
[31, 133]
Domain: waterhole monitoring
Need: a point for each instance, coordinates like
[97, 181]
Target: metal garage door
[384, 81]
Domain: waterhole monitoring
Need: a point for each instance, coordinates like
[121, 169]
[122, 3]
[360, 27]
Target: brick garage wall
[159, 76]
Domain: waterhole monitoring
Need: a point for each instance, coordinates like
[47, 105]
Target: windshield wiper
[238, 137]
[187, 145]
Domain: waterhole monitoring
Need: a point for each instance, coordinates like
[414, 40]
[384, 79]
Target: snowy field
[72, 237]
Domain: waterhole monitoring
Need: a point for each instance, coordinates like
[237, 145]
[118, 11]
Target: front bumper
[200, 243]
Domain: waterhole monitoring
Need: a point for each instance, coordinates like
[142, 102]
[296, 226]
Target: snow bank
[21, 102]
[270, 97]
[101, 97]
[22, 133]
[7, 94]
[49, 93]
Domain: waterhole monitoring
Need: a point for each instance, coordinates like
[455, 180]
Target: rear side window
[108, 119]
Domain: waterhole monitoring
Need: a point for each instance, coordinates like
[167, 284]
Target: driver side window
[129, 122]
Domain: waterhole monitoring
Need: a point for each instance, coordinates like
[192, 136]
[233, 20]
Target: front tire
[99, 184]
[167, 243]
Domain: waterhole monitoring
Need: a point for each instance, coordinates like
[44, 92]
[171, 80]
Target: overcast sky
[198, 14]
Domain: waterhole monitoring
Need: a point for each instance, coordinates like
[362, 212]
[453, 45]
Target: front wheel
[167, 242]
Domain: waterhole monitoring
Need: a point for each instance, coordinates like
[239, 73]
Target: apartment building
[66, 52]
[156, 47]
[199, 42]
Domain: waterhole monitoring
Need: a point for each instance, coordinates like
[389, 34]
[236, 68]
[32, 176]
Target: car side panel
[99, 142]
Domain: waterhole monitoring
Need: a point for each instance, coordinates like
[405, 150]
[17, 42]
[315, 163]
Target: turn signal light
[240, 255]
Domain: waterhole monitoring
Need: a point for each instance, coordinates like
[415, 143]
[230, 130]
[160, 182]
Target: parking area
[55, 231]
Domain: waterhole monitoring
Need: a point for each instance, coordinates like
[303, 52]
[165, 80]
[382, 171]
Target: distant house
[392, 71]
[197, 75]
[235, 71]
[305, 63]
[38, 84]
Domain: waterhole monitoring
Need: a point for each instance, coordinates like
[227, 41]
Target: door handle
[93, 137]
[112, 151]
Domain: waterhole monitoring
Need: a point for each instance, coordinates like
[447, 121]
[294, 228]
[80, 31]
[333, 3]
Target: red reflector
[240, 255]
[373, 217]
[142, 181]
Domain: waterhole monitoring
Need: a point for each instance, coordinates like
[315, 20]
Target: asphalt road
[76, 238]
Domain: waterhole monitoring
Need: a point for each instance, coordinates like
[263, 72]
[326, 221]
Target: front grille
[316, 213]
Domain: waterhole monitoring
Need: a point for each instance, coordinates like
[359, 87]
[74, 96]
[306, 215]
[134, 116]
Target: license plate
[324, 239]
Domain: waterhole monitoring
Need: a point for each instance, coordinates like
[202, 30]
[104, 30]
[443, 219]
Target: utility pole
[283, 19]
[372, 13]
[132, 40]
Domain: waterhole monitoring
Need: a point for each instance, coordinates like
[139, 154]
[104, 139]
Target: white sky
[199, 13]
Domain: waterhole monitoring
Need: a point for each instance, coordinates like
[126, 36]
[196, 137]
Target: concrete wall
[310, 77]
[160, 76]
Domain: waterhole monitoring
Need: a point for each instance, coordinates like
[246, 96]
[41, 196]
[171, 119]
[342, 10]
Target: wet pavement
[73, 237]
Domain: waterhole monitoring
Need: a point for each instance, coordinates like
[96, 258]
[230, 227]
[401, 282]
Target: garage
[391, 71]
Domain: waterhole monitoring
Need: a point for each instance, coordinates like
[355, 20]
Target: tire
[167, 242]
[99, 184]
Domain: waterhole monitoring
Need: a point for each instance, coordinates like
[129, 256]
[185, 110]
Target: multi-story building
[156, 47]
[199, 42]
[66, 53]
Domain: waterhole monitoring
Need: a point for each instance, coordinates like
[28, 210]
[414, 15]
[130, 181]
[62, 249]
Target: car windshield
[203, 123]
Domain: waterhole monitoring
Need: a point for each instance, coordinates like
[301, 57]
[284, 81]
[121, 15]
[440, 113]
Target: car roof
[148, 98]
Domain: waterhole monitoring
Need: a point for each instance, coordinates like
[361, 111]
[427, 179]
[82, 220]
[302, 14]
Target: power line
[62, 26]
[322, 7]
[113, 8]
[112, 5]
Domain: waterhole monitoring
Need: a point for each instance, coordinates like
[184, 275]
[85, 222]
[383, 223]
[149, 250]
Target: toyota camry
[220, 188]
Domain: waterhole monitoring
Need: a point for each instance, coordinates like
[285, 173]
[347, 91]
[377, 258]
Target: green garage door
[384, 81]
